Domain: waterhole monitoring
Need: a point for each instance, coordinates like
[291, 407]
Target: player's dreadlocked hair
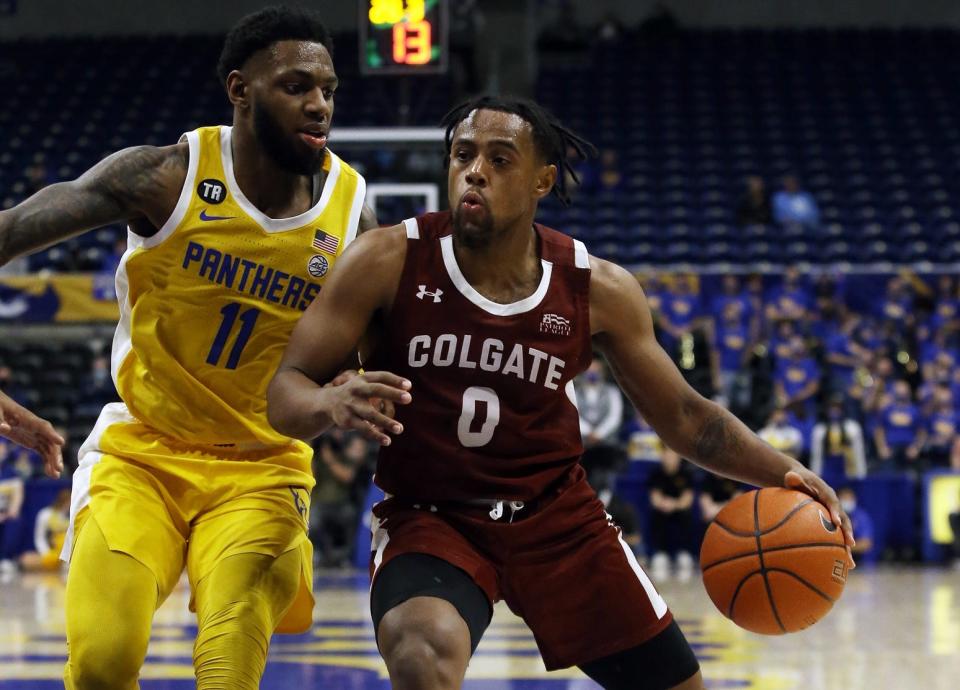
[263, 28]
[550, 137]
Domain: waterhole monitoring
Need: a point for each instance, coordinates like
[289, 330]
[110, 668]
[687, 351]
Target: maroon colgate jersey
[494, 413]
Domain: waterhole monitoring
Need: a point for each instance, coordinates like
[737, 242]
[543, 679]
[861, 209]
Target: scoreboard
[403, 36]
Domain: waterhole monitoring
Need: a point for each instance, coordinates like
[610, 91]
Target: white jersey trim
[353, 224]
[89, 455]
[378, 543]
[183, 203]
[413, 228]
[122, 340]
[495, 308]
[581, 258]
[264, 221]
[656, 601]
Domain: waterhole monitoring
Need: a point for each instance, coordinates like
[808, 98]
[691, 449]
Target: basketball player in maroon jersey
[488, 317]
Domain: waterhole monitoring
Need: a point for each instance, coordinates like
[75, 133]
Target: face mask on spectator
[848, 504]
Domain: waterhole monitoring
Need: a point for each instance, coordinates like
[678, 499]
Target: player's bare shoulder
[373, 261]
[147, 179]
[616, 298]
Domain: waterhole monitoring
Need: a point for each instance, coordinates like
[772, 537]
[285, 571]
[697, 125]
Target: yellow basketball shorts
[169, 505]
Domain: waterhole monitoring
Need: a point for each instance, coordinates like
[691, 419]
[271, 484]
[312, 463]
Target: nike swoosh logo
[827, 524]
[204, 216]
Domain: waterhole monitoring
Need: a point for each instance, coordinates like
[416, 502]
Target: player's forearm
[295, 405]
[713, 438]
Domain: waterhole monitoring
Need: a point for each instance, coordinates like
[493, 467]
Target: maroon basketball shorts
[560, 564]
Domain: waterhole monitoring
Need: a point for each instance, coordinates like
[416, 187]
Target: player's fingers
[343, 377]
[384, 406]
[378, 419]
[794, 480]
[369, 430]
[385, 392]
[387, 378]
[53, 463]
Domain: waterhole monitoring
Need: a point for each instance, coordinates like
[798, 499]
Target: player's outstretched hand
[385, 406]
[809, 483]
[27, 429]
[367, 401]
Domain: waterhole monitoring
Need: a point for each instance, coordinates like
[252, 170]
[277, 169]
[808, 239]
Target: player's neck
[275, 191]
[504, 270]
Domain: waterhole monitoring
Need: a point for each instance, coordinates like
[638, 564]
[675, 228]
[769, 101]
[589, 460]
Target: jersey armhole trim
[183, 203]
[413, 229]
[353, 223]
[581, 259]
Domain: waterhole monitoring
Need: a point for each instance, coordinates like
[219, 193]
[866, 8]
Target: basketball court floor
[894, 629]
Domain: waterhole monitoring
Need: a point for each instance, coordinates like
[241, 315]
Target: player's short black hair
[263, 28]
[550, 137]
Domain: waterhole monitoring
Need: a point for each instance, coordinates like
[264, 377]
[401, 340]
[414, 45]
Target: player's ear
[546, 178]
[237, 89]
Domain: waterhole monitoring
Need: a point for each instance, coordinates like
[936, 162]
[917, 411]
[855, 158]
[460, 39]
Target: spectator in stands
[794, 206]
[754, 206]
[338, 462]
[782, 435]
[797, 380]
[941, 428]
[780, 342]
[600, 404]
[26, 463]
[731, 340]
[642, 441]
[836, 448]
[792, 300]
[899, 435]
[680, 312]
[11, 501]
[843, 354]
[897, 304]
[863, 550]
[671, 501]
[938, 358]
[715, 493]
[49, 532]
[732, 294]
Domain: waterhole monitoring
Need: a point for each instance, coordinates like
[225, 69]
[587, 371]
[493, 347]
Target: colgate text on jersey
[491, 355]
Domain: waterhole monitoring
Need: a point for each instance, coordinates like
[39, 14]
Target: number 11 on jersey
[472, 396]
[247, 321]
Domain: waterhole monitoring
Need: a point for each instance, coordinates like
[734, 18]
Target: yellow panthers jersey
[208, 303]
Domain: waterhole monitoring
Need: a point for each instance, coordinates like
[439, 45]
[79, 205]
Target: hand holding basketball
[773, 561]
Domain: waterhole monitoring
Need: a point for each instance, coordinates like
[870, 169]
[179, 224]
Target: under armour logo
[424, 292]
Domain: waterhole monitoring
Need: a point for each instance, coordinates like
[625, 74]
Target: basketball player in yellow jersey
[232, 234]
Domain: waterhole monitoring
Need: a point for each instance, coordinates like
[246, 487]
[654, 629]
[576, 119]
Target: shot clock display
[403, 36]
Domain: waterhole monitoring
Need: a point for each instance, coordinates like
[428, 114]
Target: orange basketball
[773, 562]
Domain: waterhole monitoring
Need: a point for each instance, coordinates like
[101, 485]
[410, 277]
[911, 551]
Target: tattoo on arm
[132, 183]
[718, 439]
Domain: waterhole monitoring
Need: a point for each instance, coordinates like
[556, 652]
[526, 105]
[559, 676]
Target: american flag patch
[325, 243]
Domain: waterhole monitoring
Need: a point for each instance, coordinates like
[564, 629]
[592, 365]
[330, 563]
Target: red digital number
[411, 43]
